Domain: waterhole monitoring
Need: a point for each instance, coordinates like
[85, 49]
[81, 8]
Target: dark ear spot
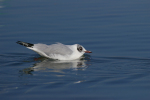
[79, 48]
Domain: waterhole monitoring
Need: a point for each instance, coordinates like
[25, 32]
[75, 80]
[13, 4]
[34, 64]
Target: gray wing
[53, 49]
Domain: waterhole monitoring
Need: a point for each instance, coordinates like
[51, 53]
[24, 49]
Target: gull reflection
[59, 65]
[48, 65]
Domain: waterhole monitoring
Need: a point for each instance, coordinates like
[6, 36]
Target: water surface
[117, 32]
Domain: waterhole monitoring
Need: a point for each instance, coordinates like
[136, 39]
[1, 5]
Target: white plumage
[57, 51]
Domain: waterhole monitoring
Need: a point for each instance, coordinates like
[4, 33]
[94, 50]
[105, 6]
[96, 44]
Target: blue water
[117, 32]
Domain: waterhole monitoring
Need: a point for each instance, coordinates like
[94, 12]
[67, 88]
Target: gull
[57, 51]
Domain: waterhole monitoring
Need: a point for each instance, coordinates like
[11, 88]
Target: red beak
[87, 51]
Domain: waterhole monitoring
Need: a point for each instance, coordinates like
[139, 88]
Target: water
[117, 32]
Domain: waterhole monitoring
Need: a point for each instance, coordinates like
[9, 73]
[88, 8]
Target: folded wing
[48, 50]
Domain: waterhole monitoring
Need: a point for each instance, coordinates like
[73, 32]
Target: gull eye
[79, 49]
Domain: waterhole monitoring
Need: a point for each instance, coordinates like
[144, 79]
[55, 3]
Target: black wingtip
[25, 44]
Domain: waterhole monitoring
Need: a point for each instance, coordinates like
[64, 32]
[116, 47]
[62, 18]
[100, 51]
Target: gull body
[57, 51]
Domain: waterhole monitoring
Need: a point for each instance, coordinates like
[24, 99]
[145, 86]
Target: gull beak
[87, 51]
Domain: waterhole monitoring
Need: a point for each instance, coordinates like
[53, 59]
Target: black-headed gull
[57, 51]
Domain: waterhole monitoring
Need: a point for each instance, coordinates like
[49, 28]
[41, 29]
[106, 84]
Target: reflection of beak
[87, 51]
